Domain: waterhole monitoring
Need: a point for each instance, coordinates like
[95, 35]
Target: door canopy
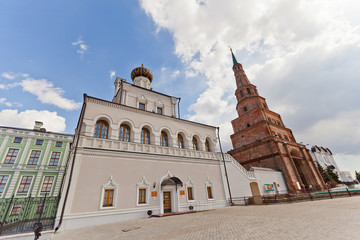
[172, 181]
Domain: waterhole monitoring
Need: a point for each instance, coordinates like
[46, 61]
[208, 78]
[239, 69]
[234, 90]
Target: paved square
[325, 219]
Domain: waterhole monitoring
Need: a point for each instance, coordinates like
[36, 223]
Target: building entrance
[167, 202]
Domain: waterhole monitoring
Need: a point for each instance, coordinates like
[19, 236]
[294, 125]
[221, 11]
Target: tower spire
[233, 57]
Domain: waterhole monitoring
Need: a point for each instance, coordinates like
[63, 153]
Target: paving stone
[325, 219]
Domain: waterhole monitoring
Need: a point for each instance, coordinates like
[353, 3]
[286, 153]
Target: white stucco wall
[269, 176]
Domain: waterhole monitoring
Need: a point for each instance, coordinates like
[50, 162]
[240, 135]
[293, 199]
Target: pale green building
[32, 164]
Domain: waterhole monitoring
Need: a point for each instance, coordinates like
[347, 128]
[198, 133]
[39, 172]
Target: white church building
[134, 154]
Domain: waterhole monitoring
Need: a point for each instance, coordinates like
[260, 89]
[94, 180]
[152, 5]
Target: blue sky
[302, 55]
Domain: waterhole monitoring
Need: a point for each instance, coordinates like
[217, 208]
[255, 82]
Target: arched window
[164, 139]
[248, 90]
[101, 129]
[207, 146]
[195, 144]
[124, 134]
[145, 136]
[180, 141]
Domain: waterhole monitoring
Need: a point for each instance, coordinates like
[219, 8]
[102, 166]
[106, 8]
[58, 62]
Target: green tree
[357, 176]
[332, 175]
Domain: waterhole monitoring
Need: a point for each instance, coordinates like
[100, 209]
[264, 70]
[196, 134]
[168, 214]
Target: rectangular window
[209, 192]
[39, 142]
[34, 157]
[190, 193]
[47, 183]
[11, 155]
[25, 184]
[3, 180]
[245, 109]
[40, 208]
[108, 198]
[54, 160]
[142, 196]
[141, 106]
[159, 110]
[17, 140]
[15, 210]
[58, 144]
[241, 93]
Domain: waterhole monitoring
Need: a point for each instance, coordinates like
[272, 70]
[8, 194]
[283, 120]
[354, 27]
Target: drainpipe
[282, 173]
[179, 107]
[77, 136]
[222, 154]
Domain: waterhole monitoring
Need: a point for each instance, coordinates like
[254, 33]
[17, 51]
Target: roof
[32, 130]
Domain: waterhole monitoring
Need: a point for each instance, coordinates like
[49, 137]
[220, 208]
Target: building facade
[32, 165]
[324, 157]
[261, 139]
[134, 154]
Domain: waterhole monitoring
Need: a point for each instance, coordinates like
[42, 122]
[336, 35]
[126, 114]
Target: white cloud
[12, 76]
[47, 93]
[26, 119]
[302, 55]
[112, 74]
[9, 104]
[82, 47]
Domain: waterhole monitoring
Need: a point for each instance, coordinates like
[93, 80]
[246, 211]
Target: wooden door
[167, 202]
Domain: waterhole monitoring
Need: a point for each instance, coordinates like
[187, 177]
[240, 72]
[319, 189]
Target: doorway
[167, 202]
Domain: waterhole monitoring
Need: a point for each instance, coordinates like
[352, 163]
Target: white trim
[109, 185]
[190, 184]
[141, 185]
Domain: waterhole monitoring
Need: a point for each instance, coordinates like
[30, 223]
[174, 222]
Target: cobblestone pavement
[325, 219]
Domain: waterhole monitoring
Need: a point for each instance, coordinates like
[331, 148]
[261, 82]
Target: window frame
[122, 134]
[20, 183]
[209, 185]
[34, 158]
[51, 158]
[190, 184]
[164, 139]
[39, 142]
[182, 145]
[195, 144]
[2, 183]
[142, 106]
[18, 140]
[207, 145]
[18, 208]
[58, 143]
[100, 133]
[12, 155]
[110, 185]
[143, 185]
[159, 110]
[144, 132]
[51, 186]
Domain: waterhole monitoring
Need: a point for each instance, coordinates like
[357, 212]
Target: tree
[357, 176]
[328, 174]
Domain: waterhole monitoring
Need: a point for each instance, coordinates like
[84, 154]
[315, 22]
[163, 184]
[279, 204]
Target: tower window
[248, 125]
[141, 106]
[241, 93]
[248, 91]
[159, 110]
[245, 109]
[207, 145]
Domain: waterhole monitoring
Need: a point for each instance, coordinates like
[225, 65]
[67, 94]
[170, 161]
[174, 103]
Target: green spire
[233, 57]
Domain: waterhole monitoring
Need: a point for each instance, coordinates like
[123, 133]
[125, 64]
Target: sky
[303, 56]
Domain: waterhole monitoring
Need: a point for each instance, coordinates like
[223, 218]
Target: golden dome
[141, 71]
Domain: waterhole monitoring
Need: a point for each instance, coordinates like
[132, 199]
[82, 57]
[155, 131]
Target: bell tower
[261, 139]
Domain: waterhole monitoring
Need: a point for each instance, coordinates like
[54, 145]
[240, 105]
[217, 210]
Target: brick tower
[261, 139]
